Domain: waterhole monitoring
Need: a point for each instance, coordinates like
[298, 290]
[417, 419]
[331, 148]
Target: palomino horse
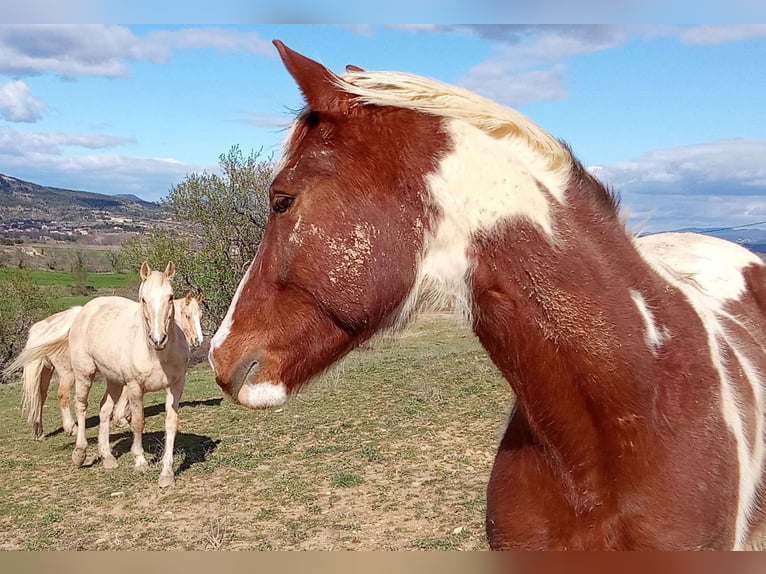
[638, 364]
[131, 344]
[37, 373]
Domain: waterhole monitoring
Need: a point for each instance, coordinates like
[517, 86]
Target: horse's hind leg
[136, 400]
[82, 389]
[172, 400]
[111, 396]
[121, 415]
[66, 381]
[45, 380]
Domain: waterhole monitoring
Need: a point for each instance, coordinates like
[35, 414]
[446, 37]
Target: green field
[62, 292]
[66, 279]
[392, 450]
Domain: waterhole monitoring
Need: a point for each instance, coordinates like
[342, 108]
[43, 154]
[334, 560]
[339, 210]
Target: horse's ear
[315, 81]
[145, 270]
[170, 270]
[350, 68]
[188, 297]
[199, 297]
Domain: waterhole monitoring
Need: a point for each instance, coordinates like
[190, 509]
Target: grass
[66, 279]
[391, 450]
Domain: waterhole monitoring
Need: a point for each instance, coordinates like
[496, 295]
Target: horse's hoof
[142, 466]
[166, 480]
[37, 432]
[70, 431]
[78, 456]
[110, 462]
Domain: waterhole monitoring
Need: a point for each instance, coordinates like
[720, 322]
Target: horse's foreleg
[111, 395]
[172, 400]
[136, 401]
[66, 381]
[82, 389]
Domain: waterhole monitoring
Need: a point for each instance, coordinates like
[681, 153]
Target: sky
[672, 117]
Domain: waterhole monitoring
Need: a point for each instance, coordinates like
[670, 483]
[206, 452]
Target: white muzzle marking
[262, 395]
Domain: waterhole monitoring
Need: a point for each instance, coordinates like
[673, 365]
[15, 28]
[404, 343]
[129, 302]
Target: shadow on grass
[195, 448]
[150, 411]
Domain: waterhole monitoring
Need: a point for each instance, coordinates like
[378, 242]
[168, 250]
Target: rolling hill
[18, 196]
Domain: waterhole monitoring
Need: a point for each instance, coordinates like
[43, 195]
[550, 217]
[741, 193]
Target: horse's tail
[47, 338]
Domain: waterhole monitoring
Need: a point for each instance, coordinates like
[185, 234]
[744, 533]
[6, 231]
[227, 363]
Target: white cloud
[146, 177]
[99, 50]
[15, 142]
[721, 33]
[527, 63]
[43, 157]
[17, 104]
[720, 183]
[498, 80]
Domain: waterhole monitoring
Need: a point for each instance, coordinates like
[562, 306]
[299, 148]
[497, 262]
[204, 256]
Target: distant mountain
[17, 196]
[29, 211]
[753, 238]
[130, 197]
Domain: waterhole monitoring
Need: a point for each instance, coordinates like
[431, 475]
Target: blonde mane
[404, 90]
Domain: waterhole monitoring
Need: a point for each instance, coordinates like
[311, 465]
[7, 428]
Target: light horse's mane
[426, 95]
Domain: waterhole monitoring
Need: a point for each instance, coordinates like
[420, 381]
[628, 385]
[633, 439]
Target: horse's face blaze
[156, 299]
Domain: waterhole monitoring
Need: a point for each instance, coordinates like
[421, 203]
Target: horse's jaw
[262, 395]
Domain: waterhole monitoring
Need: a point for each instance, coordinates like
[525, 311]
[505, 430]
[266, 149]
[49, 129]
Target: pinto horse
[638, 365]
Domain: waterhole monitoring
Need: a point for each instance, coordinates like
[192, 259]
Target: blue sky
[671, 116]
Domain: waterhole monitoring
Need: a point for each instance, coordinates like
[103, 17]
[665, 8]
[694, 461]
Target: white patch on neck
[654, 336]
[483, 182]
[262, 395]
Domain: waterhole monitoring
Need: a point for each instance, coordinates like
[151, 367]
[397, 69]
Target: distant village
[100, 224]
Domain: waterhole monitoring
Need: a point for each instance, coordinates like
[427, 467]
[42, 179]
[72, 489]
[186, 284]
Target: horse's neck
[553, 315]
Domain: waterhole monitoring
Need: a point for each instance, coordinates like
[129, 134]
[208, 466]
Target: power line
[733, 227]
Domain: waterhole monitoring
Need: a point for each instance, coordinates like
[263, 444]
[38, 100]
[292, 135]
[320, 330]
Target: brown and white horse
[638, 364]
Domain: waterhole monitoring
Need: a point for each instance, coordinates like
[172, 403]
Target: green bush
[22, 303]
[226, 215]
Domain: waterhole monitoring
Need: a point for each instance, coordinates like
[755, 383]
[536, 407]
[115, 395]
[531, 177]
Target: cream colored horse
[188, 315]
[131, 344]
[37, 373]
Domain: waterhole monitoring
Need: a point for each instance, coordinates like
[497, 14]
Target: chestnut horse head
[638, 365]
[362, 226]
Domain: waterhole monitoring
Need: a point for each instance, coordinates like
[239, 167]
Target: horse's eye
[281, 202]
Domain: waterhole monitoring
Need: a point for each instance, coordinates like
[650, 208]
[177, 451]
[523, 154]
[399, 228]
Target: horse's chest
[154, 380]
